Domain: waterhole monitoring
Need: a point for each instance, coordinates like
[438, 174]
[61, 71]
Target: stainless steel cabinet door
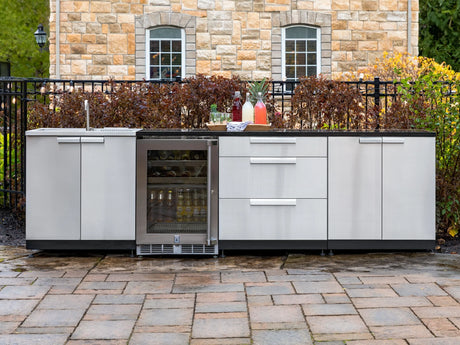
[108, 169]
[273, 177]
[53, 188]
[409, 188]
[272, 219]
[355, 188]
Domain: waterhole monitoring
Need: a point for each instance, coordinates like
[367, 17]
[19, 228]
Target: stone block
[285, 337]
[389, 317]
[103, 330]
[96, 49]
[114, 28]
[341, 35]
[120, 8]
[220, 328]
[367, 45]
[73, 38]
[226, 50]
[93, 28]
[117, 43]
[336, 324]
[340, 4]
[203, 40]
[248, 55]
[206, 4]
[203, 67]
[97, 70]
[107, 18]
[101, 6]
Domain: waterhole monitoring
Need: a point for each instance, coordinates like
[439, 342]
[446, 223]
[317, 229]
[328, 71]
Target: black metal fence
[17, 94]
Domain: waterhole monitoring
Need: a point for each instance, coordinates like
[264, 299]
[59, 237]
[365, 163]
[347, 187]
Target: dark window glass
[176, 71]
[176, 59]
[165, 73]
[165, 59]
[300, 71]
[300, 46]
[154, 73]
[290, 46]
[165, 46]
[176, 46]
[311, 70]
[290, 72]
[290, 59]
[311, 59]
[154, 46]
[154, 60]
[311, 46]
[300, 59]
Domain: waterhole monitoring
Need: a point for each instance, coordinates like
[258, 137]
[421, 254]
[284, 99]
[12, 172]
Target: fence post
[377, 101]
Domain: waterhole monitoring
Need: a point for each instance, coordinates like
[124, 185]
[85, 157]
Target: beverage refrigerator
[177, 180]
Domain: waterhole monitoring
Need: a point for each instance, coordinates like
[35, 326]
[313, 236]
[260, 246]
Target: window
[301, 55]
[165, 47]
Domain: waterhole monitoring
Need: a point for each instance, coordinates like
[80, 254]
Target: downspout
[58, 30]
[409, 26]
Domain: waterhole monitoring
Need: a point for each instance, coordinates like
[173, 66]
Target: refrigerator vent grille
[161, 249]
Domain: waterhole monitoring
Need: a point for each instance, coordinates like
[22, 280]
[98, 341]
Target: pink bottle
[260, 111]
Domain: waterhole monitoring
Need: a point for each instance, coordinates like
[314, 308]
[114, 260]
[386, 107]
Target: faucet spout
[88, 128]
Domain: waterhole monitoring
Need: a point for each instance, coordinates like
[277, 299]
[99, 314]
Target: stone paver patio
[355, 299]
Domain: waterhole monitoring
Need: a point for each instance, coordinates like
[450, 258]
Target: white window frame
[147, 50]
[283, 48]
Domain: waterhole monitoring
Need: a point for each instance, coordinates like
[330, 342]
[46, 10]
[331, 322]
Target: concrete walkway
[372, 299]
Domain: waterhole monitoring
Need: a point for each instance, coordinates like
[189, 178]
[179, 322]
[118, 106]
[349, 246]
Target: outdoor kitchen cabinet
[272, 192]
[80, 189]
[381, 192]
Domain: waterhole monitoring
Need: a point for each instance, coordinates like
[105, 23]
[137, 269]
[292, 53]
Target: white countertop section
[97, 132]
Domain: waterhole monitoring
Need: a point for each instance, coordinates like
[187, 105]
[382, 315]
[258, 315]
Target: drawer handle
[92, 140]
[393, 140]
[256, 140]
[273, 160]
[273, 202]
[68, 140]
[370, 140]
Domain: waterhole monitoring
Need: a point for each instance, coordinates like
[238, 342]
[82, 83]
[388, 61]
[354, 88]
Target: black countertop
[147, 133]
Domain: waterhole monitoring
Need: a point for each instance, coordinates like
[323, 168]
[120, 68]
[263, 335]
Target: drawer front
[272, 219]
[272, 177]
[273, 146]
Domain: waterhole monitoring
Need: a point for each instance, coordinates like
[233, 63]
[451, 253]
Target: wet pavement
[96, 298]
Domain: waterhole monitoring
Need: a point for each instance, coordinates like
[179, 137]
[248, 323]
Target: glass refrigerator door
[177, 191]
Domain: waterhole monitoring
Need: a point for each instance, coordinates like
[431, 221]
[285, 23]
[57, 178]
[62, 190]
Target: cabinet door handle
[68, 140]
[262, 140]
[393, 140]
[92, 140]
[273, 202]
[253, 160]
[370, 140]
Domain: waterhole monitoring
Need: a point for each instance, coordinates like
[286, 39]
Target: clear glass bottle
[260, 111]
[248, 110]
[237, 109]
[180, 206]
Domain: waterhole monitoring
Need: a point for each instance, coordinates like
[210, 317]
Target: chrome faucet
[88, 128]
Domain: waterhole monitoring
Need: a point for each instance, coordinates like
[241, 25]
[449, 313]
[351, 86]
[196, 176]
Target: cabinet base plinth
[381, 244]
[273, 244]
[81, 244]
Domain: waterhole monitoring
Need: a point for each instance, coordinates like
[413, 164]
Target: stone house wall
[102, 39]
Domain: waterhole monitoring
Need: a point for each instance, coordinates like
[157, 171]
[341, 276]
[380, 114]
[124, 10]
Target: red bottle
[237, 109]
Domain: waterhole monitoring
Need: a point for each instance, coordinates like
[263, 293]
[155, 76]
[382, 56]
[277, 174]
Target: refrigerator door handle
[210, 143]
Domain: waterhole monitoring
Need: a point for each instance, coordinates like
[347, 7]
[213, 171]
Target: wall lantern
[40, 36]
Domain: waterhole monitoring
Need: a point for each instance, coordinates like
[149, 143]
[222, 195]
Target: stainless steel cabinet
[408, 188]
[381, 188]
[53, 188]
[355, 188]
[80, 187]
[272, 192]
